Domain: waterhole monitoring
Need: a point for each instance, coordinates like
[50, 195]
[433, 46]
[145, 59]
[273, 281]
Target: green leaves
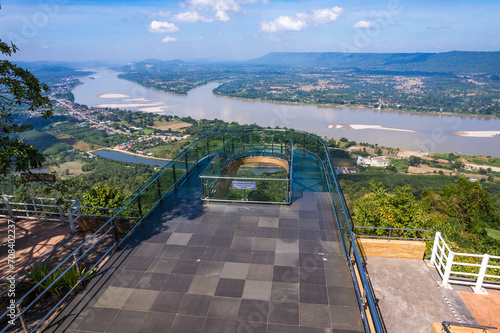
[18, 89]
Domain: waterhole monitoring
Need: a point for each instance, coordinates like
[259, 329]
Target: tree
[102, 196]
[415, 160]
[18, 89]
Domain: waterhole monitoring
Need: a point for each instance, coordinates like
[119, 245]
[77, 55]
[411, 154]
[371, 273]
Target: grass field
[174, 125]
[74, 167]
[493, 233]
[74, 143]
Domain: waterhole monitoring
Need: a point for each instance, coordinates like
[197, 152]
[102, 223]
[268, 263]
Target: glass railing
[221, 182]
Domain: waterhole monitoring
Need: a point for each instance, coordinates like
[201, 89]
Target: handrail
[446, 325]
[394, 237]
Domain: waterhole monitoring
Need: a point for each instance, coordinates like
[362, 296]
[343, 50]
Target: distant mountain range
[456, 62]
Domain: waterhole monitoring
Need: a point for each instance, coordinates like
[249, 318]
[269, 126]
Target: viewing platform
[226, 267]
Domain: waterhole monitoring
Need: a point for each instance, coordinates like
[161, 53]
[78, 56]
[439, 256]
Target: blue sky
[243, 29]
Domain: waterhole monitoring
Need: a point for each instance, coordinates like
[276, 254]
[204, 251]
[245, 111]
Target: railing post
[9, 209]
[173, 172]
[435, 248]
[115, 233]
[447, 271]
[208, 147]
[158, 185]
[139, 205]
[186, 160]
[478, 289]
[71, 221]
[21, 319]
[59, 206]
[75, 262]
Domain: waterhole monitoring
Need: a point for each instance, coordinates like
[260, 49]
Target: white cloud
[162, 27]
[45, 47]
[222, 9]
[300, 21]
[160, 14]
[222, 16]
[191, 16]
[362, 25]
[169, 39]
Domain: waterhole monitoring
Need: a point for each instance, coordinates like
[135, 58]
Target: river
[414, 131]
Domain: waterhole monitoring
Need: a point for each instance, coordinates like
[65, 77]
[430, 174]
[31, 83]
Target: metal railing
[395, 233]
[447, 325]
[217, 179]
[140, 204]
[475, 270]
[49, 209]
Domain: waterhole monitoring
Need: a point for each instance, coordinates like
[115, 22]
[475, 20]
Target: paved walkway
[225, 268]
[410, 298]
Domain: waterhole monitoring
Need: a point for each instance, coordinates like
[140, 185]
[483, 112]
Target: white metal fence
[475, 270]
[49, 209]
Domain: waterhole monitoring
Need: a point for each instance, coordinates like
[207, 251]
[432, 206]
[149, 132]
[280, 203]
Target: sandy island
[477, 134]
[155, 109]
[334, 126]
[112, 96]
[358, 127]
[126, 105]
[142, 99]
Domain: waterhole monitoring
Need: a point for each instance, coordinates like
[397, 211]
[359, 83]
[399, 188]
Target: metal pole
[186, 161]
[61, 212]
[447, 271]
[34, 205]
[71, 221]
[139, 205]
[435, 248]
[75, 261]
[173, 170]
[21, 319]
[115, 233]
[158, 186]
[478, 289]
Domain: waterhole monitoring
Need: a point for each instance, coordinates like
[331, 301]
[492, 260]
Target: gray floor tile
[167, 302]
[262, 257]
[251, 326]
[284, 313]
[241, 256]
[264, 244]
[230, 288]
[97, 319]
[199, 240]
[138, 263]
[221, 241]
[260, 272]
[224, 307]
[260, 290]
[171, 251]
[186, 267]
[178, 283]
[193, 252]
[346, 317]
[195, 305]
[210, 268]
[203, 285]
[287, 245]
[187, 324]
[313, 294]
[268, 222]
[246, 231]
[160, 265]
[253, 311]
[152, 281]
[312, 276]
[141, 300]
[304, 329]
[243, 243]
[286, 274]
[179, 238]
[285, 292]
[342, 296]
[149, 250]
[156, 322]
[216, 325]
[314, 315]
[234, 270]
[286, 259]
[114, 297]
[126, 321]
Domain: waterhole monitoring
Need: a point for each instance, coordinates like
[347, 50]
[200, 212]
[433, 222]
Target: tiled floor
[225, 268]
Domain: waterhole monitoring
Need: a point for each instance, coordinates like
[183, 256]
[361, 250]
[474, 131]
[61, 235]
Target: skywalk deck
[194, 267]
